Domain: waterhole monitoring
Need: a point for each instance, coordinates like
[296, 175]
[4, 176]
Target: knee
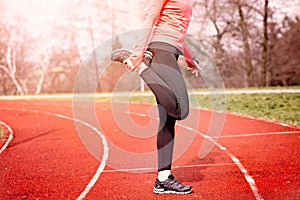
[183, 114]
[182, 111]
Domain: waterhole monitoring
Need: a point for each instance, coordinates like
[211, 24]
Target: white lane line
[259, 134]
[174, 167]
[10, 136]
[235, 160]
[191, 92]
[102, 165]
[294, 126]
[248, 177]
[104, 143]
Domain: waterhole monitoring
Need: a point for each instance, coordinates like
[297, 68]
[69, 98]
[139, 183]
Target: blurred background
[43, 44]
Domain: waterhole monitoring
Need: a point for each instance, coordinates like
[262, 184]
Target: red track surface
[47, 160]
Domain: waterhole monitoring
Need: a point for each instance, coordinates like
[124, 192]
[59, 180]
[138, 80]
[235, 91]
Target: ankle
[142, 68]
[163, 175]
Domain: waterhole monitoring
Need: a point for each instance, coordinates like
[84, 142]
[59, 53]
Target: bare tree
[10, 53]
[236, 39]
[246, 43]
[265, 44]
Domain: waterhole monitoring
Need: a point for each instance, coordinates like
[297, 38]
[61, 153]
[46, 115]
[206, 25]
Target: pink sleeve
[153, 11]
[188, 54]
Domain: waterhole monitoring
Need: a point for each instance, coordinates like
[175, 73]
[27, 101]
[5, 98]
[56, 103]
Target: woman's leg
[166, 82]
[165, 141]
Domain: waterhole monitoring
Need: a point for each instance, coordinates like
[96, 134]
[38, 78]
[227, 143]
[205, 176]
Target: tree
[216, 22]
[240, 39]
[11, 54]
[265, 44]
[284, 53]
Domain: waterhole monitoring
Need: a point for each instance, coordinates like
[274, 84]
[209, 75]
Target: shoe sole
[170, 192]
[120, 55]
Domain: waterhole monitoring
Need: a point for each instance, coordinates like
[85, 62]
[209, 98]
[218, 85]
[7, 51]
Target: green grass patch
[284, 107]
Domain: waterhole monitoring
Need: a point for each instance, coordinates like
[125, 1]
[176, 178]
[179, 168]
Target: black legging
[166, 82]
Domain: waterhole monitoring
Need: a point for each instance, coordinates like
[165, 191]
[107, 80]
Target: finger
[194, 71]
[129, 67]
[132, 69]
[128, 63]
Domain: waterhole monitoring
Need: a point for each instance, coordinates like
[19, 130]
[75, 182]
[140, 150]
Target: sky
[40, 16]
[292, 7]
[32, 10]
[35, 12]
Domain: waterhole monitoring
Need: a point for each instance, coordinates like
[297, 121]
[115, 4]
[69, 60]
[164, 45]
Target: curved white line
[104, 157]
[234, 159]
[10, 136]
[294, 126]
[173, 167]
[104, 143]
[88, 95]
[260, 134]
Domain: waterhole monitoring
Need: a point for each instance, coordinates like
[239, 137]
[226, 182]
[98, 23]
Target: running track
[253, 158]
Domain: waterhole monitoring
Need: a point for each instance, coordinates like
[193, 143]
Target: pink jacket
[170, 20]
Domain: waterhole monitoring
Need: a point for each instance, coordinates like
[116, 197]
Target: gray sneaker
[120, 55]
[171, 186]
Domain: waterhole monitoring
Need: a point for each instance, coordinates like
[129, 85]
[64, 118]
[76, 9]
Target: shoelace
[174, 184]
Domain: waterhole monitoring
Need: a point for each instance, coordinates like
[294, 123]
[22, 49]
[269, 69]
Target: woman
[165, 26]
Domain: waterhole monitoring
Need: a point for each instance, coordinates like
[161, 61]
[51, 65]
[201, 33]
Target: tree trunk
[13, 79]
[264, 67]
[11, 68]
[246, 45]
[40, 83]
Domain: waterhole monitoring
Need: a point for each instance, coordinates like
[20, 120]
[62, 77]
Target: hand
[134, 61]
[192, 66]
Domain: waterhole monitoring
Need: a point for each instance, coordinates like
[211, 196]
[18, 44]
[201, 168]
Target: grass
[283, 107]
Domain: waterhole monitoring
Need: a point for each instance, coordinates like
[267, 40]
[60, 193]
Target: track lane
[63, 148]
[7, 136]
[215, 176]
